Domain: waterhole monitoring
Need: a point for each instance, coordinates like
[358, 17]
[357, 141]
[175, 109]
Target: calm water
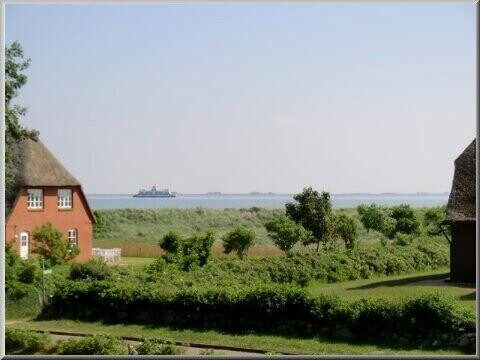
[246, 201]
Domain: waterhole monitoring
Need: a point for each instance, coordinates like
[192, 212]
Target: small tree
[406, 221]
[313, 211]
[187, 252]
[432, 219]
[285, 232]
[389, 227]
[239, 240]
[170, 242]
[372, 217]
[346, 228]
[51, 245]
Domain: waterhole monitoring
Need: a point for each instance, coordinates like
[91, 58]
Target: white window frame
[73, 237]
[64, 201]
[35, 198]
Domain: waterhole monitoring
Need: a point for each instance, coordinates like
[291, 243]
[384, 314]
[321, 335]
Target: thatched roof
[39, 167]
[461, 203]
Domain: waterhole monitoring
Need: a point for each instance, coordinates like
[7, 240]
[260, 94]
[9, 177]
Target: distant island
[258, 193]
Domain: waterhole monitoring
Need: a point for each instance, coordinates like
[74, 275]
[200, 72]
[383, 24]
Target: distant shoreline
[281, 194]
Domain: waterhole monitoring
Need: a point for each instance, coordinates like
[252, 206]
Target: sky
[364, 97]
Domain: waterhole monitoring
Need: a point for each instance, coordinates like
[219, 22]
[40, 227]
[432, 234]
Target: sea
[224, 201]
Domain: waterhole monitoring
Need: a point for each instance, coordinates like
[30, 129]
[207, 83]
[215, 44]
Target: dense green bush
[346, 228]
[403, 239]
[187, 252]
[372, 216]
[285, 232]
[157, 347]
[284, 309]
[29, 272]
[91, 345]
[432, 219]
[93, 269]
[360, 263]
[238, 240]
[25, 341]
[405, 219]
[19, 274]
[51, 245]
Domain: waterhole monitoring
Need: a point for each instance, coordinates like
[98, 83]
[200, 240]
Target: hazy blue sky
[251, 97]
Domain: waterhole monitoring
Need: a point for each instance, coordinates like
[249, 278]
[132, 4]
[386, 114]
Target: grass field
[401, 286]
[291, 344]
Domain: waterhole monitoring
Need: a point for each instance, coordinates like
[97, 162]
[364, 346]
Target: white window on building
[72, 237]
[35, 199]
[64, 199]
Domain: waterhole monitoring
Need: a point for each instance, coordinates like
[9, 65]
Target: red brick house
[47, 193]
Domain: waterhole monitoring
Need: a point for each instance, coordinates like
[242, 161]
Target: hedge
[91, 345]
[272, 308]
[334, 266]
[21, 341]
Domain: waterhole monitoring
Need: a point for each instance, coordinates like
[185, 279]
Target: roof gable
[39, 167]
[461, 203]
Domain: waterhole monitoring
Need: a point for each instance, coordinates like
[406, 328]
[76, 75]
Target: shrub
[25, 341]
[157, 347]
[29, 271]
[19, 274]
[389, 228]
[360, 263]
[406, 221]
[403, 239]
[187, 252]
[93, 269]
[432, 219]
[346, 228]
[372, 216]
[91, 345]
[170, 242]
[285, 232]
[52, 245]
[239, 240]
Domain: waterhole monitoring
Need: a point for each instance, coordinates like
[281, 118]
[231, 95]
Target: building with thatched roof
[47, 192]
[461, 217]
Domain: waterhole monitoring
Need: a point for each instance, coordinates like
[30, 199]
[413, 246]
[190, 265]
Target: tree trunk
[318, 246]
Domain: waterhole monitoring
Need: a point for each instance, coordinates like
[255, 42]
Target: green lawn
[135, 261]
[313, 345]
[401, 286]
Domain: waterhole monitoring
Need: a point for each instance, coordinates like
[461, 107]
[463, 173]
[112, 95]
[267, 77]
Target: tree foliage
[52, 245]
[239, 240]
[406, 221]
[432, 219]
[372, 216]
[346, 228]
[187, 252]
[15, 65]
[313, 211]
[285, 232]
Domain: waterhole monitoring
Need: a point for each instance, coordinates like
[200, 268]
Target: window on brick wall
[64, 199]
[72, 237]
[35, 199]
